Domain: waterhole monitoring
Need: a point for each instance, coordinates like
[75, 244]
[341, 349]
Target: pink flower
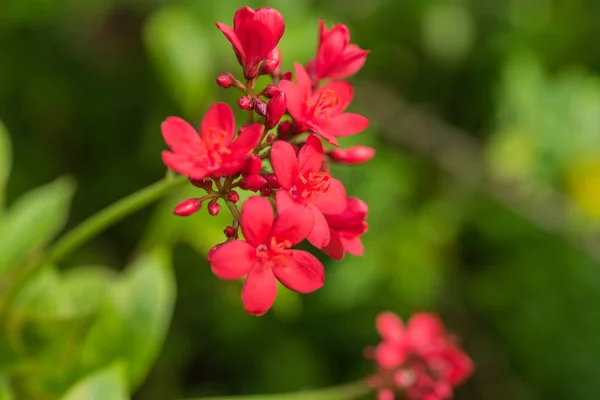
[336, 57]
[210, 153]
[322, 111]
[254, 35]
[345, 229]
[420, 359]
[265, 256]
[302, 182]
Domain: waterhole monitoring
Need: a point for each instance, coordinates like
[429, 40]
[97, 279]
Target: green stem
[350, 391]
[109, 216]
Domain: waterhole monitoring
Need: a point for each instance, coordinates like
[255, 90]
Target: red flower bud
[225, 80]
[266, 191]
[245, 103]
[214, 207]
[253, 165]
[275, 110]
[284, 130]
[233, 197]
[229, 231]
[270, 91]
[253, 183]
[187, 207]
[206, 183]
[271, 63]
[272, 181]
[353, 155]
[271, 138]
[260, 107]
[286, 76]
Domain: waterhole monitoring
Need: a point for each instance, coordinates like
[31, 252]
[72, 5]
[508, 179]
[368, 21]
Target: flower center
[323, 104]
[271, 254]
[306, 186]
[213, 146]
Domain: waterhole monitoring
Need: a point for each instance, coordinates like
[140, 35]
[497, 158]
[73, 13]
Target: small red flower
[420, 360]
[254, 35]
[322, 111]
[265, 256]
[345, 229]
[210, 153]
[304, 183]
[336, 57]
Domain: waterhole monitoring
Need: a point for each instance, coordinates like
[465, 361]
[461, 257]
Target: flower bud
[253, 183]
[206, 183]
[229, 231]
[253, 165]
[250, 72]
[225, 80]
[271, 63]
[187, 207]
[275, 110]
[271, 138]
[266, 191]
[214, 207]
[233, 196]
[270, 91]
[260, 107]
[245, 103]
[284, 130]
[286, 76]
[272, 181]
[353, 155]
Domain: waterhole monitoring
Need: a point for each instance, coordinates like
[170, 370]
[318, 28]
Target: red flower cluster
[419, 361]
[279, 155]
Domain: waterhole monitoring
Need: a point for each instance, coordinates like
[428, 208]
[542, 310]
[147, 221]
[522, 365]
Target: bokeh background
[484, 197]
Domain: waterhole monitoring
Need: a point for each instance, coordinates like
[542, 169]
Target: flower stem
[350, 391]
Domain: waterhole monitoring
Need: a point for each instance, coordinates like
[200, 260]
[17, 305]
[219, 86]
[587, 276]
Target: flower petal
[285, 163]
[246, 140]
[232, 260]
[334, 200]
[302, 273]
[335, 248]
[425, 329]
[295, 99]
[273, 19]
[390, 326]
[345, 124]
[293, 224]
[390, 354]
[302, 80]
[283, 200]
[256, 39]
[184, 164]
[233, 39]
[310, 157]
[259, 291]
[241, 15]
[322, 129]
[180, 136]
[257, 219]
[319, 236]
[352, 245]
[219, 116]
[343, 90]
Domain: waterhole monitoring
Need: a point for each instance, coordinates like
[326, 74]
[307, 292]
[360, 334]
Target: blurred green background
[484, 198]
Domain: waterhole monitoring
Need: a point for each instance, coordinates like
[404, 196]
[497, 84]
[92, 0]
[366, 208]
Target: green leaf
[5, 390]
[133, 325]
[5, 161]
[34, 220]
[108, 383]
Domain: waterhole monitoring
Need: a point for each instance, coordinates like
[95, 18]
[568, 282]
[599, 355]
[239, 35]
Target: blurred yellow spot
[583, 185]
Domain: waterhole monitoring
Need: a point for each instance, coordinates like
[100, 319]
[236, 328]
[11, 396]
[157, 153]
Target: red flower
[322, 112]
[420, 360]
[336, 57]
[304, 183]
[210, 153]
[254, 35]
[265, 255]
[345, 229]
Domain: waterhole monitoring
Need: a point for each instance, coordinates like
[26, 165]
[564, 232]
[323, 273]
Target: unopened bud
[275, 110]
[260, 107]
[253, 165]
[214, 207]
[229, 231]
[233, 196]
[187, 207]
[253, 183]
[250, 73]
[286, 76]
[270, 91]
[284, 130]
[271, 138]
[245, 103]
[271, 63]
[272, 181]
[353, 155]
[205, 183]
[225, 80]
[266, 191]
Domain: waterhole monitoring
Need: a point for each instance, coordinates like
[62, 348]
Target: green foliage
[108, 383]
[5, 161]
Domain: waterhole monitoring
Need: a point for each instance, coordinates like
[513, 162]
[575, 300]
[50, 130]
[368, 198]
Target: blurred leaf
[5, 390]
[34, 220]
[108, 383]
[5, 162]
[133, 325]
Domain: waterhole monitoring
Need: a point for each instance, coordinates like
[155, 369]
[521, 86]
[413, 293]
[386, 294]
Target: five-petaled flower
[254, 35]
[304, 183]
[266, 255]
[345, 229]
[419, 360]
[322, 111]
[212, 152]
[336, 57]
